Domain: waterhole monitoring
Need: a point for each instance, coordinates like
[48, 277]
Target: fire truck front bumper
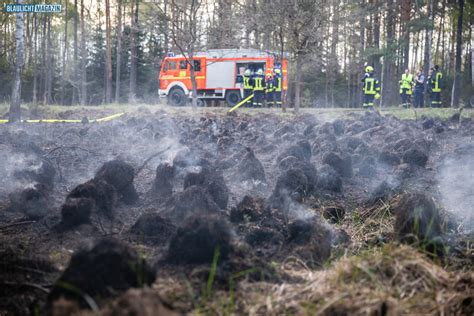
[162, 93]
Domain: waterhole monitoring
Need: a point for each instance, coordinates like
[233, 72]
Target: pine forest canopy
[97, 52]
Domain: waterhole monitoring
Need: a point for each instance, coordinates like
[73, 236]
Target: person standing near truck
[419, 89]
[406, 85]
[269, 91]
[370, 87]
[248, 86]
[259, 88]
[277, 85]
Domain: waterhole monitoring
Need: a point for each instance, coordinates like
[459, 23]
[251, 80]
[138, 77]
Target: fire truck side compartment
[219, 74]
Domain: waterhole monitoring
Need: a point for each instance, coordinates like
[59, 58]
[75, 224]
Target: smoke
[13, 166]
[456, 186]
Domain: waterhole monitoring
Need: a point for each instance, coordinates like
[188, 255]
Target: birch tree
[15, 109]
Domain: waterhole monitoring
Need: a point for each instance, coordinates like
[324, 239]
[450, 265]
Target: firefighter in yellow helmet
[406, 88]
[248, 85]
[269, 91]
[435, 85]
[259, 88]
[277, 86]
[370, 87]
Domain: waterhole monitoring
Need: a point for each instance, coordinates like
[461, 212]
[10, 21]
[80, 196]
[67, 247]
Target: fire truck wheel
[177, 97]
[201, 103]
[232, 97]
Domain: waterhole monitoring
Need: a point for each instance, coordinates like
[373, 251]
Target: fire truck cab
[218, 74]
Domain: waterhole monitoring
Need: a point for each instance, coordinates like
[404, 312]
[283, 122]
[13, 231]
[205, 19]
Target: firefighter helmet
[260, 72]
[247, 72]
[369, 69]
[277, 71]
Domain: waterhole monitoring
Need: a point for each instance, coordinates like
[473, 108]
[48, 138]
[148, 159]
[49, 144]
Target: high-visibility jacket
[248, 82]
[259, 83]
[277, 83]
[371, 85]
[270, 86]
[436, 81]
[406, 83]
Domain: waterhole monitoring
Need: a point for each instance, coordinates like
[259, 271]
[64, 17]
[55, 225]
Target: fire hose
[103, 119]
[241, 103]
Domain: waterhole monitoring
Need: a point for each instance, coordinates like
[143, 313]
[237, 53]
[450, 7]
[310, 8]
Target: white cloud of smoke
[456, 186]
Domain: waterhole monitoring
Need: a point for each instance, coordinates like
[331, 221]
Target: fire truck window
[197, 65]
[172, 65]
[165, 67]
[183, 64]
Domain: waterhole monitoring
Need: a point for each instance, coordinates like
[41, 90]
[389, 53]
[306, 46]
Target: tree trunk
[108, 53]
[388, 87]
[35, 63]
[133, 51]
[64, 54]
[119, 52]
[49, 66]
[376, 34]
[193, 79]
[298, 69]
[457, 69]
[15, 109]
[428, 40]
[76, 58]
[83, 58]
[405, 18]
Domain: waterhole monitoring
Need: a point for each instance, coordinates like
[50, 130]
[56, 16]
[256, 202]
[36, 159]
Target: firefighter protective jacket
[248, 82]
[259, 83]
[370, 84]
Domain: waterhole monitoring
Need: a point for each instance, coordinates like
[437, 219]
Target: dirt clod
[213, 182]
[154, 227]
[415, 156]
[418, 220]
[343, 165]
[76, 211]
[250, 168]
[163, 185]
[120, 175]
[249, 209]
[198, 239]
[107, 270]
[32, 202]
[193, 200]
[103, 194]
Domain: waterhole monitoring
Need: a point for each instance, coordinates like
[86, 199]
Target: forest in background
[97, 52]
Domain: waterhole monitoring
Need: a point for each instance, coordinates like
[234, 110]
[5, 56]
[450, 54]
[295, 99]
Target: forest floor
[331, 212]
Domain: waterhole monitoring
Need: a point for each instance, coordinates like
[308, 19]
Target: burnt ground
[241, 213]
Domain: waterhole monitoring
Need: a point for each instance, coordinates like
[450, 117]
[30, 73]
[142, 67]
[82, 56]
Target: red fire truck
[218, 74]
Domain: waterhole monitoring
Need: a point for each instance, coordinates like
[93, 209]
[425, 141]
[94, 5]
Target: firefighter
[259, 88]
[277, 84]
[248, 86]
[269, 91]
[406, 86]
[435, 85]
[371, 88]
[419, 89]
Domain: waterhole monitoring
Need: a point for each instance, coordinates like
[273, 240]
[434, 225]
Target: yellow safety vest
[406, 83]
[247, 84]
[278, 86]
[437, 87]
[369, 86]
[270, 86]
[258, 84]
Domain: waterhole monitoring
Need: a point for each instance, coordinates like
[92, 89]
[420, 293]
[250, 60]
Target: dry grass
[375, 277]
[389, 280]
